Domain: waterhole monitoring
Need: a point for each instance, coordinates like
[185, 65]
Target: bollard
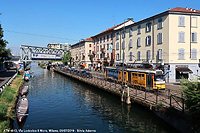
[128, 101]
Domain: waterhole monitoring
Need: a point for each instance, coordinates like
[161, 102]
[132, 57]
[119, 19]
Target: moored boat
[24, 90]
[22, 108]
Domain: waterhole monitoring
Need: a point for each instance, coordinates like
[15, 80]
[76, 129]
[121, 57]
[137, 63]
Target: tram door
[149, 80]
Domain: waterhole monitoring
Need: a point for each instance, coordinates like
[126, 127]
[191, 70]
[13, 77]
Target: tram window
[135, 75]
[139, 76]
[142, 76]
[160, 78]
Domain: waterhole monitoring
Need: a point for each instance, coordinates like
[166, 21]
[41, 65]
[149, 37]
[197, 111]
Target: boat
[24, 90]
[22, 109]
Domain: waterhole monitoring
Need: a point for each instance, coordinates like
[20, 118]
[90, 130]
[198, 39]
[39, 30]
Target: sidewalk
[6, 75]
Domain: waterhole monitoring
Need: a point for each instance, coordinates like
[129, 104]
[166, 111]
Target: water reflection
[58, 102]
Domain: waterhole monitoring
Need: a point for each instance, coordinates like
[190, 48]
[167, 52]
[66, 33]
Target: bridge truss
[26, 51]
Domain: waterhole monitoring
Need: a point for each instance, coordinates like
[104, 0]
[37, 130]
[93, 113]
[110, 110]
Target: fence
[166, 98]
[2, 87]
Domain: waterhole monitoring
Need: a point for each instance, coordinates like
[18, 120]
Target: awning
[184, 70]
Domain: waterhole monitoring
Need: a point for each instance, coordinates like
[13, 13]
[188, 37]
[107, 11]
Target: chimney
[194, 10]
[190, 9]
[186, 8]
[169, 8]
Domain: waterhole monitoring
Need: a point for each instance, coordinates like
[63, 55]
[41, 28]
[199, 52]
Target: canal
[58, 102]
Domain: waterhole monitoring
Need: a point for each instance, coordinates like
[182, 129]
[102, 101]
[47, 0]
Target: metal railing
[167, 97]
[2, 87]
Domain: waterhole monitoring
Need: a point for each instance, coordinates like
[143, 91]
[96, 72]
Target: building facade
[168, 40]
[104, 48]
[64, 46]
[81, 53]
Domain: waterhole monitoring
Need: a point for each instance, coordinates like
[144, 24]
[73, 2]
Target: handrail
[7, 83]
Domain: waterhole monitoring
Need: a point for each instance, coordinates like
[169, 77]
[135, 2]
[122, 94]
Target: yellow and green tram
[145, 78]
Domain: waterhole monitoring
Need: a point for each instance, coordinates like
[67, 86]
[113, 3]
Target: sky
[39, 22]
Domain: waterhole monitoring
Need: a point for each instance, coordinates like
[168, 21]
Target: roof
[89, 39]
[173, 10]
[110, 29]
[83, 40]
[181, 9]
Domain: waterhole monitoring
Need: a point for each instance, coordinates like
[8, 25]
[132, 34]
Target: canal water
[60, 103]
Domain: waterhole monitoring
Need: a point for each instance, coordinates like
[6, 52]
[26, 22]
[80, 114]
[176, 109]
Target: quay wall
[173, 117]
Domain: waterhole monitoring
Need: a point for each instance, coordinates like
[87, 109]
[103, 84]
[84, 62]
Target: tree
[66, 58]
[4, 53]
[191, 90]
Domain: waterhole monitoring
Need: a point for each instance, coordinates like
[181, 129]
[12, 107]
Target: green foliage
[191, 90]
[4, 53]
[9, 95]
[3, 111]
[160, 104]
[41, 65]
[4, 125]
[66, 58]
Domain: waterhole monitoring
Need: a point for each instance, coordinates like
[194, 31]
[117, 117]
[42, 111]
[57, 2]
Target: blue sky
[73, 19]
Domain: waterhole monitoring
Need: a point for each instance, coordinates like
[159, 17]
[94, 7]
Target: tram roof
[135, 69]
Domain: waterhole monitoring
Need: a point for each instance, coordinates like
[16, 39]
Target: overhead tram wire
[39, 35]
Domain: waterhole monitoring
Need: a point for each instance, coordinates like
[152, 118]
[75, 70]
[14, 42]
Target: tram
[139, 77]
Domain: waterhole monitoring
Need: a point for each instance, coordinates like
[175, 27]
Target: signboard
[37, 56]
[110, 46]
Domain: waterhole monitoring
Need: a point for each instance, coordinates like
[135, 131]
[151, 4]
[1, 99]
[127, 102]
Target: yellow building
[168, 40]
[81, 53]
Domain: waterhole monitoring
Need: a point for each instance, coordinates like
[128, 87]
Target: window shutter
[138, 55]
[123, 45]
[179, 21]
[195, 37]
[130, 32]
[138, 42]
[194, 54]
[183, 21]
[130, 43]
[160, 54]
[117, 46]
[149, 40]
[131, 56]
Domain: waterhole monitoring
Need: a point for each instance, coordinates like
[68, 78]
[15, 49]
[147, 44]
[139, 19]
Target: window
[107, 37]
[160, 23]
[138, 42]
[107, 46]
[159, 37]
[138, 55]
[107, 55]
[139, 29]
[181, 54]
[131, 56]
[117, 46]
[123, 45]
[90, 45]
[181, 36]
[123, 56]
[90, 51]
[148, 27]
[123, 34]
[117, 36]
[130, 43]
[148, 40]
[181, 21]
[159, 54]
[194, 37]
[194, 54]
[117, 56]
[130, 32]
[148, 55]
